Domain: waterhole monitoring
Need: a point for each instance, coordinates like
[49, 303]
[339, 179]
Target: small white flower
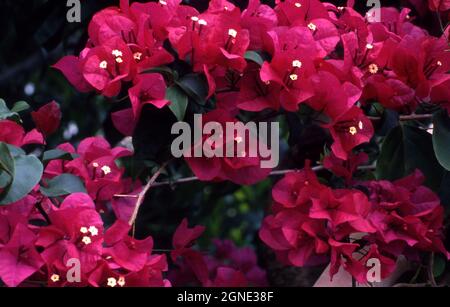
[86, 240]
[232, 33]
[93, 230]
[112, 282]
[103, 64]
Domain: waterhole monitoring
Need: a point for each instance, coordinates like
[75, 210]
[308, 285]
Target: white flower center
[296, 63]
[83, 230]
[103, 64]
[106, 169]
[312, 26]
[54, 277]
[232, 33]
[93, 230]
[86, 240]
[112, 282]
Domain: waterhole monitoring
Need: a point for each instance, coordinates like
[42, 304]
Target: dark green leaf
[254, 56]
[404, 149]
[179, 101]
[6, 159]
[195, 86]
[439, 266]
[152, 137]
[63, 185]
[55, 154]
[5, 179]
[3, 107]
[388, 121]
[15, 151]
[163, 70]
[20, 106]
[6, 113]
[441, 137]
[27, 173]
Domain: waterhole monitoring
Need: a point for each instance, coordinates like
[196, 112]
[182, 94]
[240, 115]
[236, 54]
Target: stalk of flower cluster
[141, 195]
[194, 178]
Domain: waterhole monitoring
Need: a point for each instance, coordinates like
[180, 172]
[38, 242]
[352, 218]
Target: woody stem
[193, 178]
[141, 195]
[406, 117]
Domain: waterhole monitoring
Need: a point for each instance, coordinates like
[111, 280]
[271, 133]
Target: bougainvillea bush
[362, 97]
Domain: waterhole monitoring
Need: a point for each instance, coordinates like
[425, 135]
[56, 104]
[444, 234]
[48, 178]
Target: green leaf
[162, 70]
[6, 159]
[179, 101]
[195, 86]
[254, 56]
[406, 148]
[441, 137]
[63, 185]
[27, 173]
[15, 151]
[20, 106]
[6, 113]
[5, 179]
[3, 107]
[55, 154]
[388, 121]
[438, 266]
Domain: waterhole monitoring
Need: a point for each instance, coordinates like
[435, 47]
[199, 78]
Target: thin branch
[441, 25]
[405, 117]
[193, 178]
[127, 195]
[416, 275]
[141, 195]
[406, 285]
[430, 270]
[122, 99]
[181, 180]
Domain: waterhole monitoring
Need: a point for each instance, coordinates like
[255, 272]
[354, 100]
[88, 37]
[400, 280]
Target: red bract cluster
[75, 240]
[47, 118]
[14, 134]
[306, 44]
[62, 239]
[312, 223]
[73, 248]
[95, 164]
[227, 266]
[241, 168]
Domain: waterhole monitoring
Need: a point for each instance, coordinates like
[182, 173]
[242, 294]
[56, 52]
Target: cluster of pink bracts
[74, 230]
[310, 44]
[311, 221]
